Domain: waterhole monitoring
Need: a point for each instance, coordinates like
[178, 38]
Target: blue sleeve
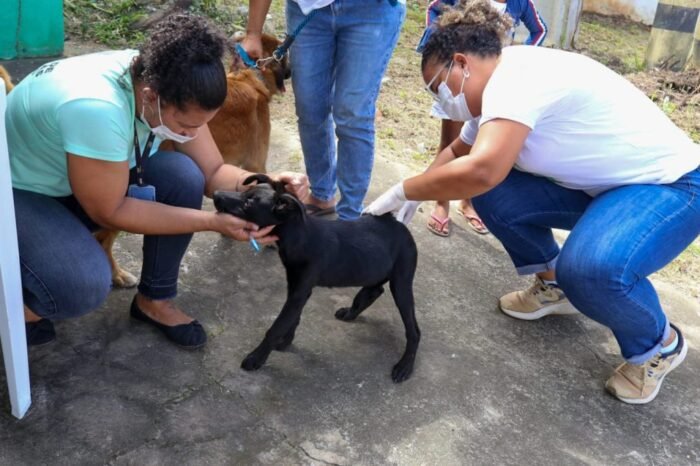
[532, 20]
[435, 9]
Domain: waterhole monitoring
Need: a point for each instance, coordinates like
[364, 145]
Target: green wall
[31, 28]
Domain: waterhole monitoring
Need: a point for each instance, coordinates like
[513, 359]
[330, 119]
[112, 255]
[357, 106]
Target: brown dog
[5, 76]
[241, 127]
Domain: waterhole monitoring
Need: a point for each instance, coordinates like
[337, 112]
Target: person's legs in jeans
[366, 33]
[625, 235]
[65, 272]
[312, 58]
[178, 181]
[521, 212]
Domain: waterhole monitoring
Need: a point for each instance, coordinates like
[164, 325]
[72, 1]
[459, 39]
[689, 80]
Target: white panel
[12, 333]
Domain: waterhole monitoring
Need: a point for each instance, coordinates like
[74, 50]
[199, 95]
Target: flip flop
[442, 228]
[316, 211]
[479, 228]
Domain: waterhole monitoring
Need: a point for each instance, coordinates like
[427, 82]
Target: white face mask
[455, 106]
[162, 132]
[500, 7]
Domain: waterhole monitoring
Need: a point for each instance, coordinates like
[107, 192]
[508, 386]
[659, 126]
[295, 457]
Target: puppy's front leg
[283, 326]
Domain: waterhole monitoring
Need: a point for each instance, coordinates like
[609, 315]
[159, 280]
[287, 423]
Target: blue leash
[282, 50]
[279, 52]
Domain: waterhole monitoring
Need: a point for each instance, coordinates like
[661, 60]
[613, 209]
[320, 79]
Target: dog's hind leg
[401, 286]
[120, 277]
[282, 330]
[364, 299]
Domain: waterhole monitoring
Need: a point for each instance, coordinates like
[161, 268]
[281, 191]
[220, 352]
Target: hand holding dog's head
[265, 203]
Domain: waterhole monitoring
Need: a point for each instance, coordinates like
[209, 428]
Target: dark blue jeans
[617, 240]
[65, 272]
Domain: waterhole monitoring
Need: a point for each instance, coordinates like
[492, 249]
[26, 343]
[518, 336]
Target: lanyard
[139, 156]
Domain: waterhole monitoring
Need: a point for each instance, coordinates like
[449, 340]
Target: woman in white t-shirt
[564, 142]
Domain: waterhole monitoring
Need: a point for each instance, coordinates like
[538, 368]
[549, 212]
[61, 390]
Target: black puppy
[367, 252]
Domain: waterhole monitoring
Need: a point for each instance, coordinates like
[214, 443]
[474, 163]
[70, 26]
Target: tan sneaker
[639, 384]
[536, 302]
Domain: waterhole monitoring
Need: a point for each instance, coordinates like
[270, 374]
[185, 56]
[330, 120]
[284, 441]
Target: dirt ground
[405, 130]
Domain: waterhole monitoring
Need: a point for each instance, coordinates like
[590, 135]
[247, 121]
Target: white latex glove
[392, 201]
[406, 213]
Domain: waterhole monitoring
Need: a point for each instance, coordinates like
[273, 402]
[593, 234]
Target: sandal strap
[441, 221]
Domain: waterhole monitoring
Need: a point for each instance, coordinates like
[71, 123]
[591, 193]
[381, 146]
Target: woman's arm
[100, 188]
[217, 174]
[493, 155]
[257, 11]
[534, 23]
[449, 134]
[222, 176]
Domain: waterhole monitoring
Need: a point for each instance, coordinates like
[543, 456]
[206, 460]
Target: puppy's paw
[252, 362]
[346, 314]
[123, 279]
[402, 371]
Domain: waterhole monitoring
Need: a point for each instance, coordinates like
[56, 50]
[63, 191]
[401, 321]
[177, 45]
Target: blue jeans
[65, 272]
[617, 240]
[338, 60]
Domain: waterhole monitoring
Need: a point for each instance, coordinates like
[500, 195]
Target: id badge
[145, 193]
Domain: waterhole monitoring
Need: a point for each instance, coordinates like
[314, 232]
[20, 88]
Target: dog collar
[249, 62]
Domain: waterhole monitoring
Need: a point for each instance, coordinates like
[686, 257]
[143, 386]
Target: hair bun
[181, 60]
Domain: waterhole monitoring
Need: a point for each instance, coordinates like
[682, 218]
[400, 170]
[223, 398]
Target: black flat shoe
[188, 336]
[40, 332]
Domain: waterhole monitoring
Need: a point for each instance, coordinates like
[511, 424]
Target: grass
[616, 42]
[107, 22]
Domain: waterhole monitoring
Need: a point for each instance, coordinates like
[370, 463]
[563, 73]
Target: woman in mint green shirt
[74, 127]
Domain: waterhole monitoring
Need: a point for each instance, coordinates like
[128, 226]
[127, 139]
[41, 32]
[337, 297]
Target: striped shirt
[520, 10]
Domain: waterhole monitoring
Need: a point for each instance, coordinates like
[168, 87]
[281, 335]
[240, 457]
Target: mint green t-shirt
[82, 105]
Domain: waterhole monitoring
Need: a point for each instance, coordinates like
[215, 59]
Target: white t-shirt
[307, 6]
[591, 128]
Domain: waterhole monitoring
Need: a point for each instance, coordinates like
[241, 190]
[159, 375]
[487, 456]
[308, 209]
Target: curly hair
[182, 62]
[472, 26]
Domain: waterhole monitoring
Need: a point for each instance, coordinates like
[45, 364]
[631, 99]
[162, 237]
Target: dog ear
[288, 202]
[259, 178]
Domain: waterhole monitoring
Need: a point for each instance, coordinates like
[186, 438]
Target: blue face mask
[454, 106]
